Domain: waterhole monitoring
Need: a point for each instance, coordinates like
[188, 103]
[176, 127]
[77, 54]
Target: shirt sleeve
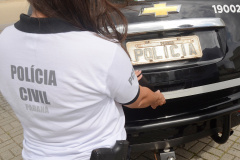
[122, 83]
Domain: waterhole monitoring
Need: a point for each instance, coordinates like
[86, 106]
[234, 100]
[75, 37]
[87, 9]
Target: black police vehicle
[190, 51]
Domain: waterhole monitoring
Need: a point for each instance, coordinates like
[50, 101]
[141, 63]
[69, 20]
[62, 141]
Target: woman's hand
[138, 74]
[160, 100]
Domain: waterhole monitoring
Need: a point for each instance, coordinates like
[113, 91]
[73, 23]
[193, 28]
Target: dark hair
[99, 16]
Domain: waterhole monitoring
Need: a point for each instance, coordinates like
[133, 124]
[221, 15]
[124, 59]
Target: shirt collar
[43, 25]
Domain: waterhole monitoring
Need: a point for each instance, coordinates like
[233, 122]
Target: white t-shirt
[65, 86]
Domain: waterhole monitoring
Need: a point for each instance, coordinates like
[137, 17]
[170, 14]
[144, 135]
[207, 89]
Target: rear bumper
[177, 131]
[172, 142]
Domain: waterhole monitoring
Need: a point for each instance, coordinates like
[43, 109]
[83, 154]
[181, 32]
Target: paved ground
[204, 149]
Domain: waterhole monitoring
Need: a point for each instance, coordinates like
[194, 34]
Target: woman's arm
[148, 98]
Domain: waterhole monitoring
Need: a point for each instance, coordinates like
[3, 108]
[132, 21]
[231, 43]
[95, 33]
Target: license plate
[164, 50]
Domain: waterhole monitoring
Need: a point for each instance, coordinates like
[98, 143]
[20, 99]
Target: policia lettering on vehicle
[65, 76]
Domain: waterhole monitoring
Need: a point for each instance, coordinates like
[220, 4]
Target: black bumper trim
[188, 120]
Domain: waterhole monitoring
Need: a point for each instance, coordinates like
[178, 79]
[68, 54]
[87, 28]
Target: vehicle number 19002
[226, 8]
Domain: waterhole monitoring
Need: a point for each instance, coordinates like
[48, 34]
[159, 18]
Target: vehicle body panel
[199, 92]
[221, 49]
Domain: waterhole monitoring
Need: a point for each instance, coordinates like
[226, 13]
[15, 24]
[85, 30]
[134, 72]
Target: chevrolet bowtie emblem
[160, 10]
